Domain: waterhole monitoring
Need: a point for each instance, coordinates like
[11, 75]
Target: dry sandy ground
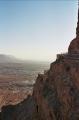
[12, 90]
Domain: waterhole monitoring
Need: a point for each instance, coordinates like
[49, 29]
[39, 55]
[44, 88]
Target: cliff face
[56, 92]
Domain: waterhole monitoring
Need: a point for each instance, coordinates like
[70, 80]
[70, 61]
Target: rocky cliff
[56, 92]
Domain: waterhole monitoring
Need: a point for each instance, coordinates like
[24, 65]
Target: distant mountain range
[7, 58]
[12, 59]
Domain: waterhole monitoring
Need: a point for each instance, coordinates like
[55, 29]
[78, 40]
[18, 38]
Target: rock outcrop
[74, 45]
[56, 92]
[22, 111]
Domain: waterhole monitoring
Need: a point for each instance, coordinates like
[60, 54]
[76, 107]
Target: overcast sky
[37, 29]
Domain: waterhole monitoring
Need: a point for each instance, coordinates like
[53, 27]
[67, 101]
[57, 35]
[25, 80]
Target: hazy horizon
[4, 58]
[36, 30]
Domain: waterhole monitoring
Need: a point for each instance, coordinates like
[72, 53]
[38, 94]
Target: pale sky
[37, 29]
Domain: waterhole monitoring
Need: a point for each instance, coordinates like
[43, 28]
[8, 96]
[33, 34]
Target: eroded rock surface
[57, 92]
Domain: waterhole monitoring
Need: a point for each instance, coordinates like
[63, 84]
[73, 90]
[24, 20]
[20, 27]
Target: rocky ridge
[56, 92]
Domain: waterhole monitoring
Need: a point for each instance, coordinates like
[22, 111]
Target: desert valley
[17, 78]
